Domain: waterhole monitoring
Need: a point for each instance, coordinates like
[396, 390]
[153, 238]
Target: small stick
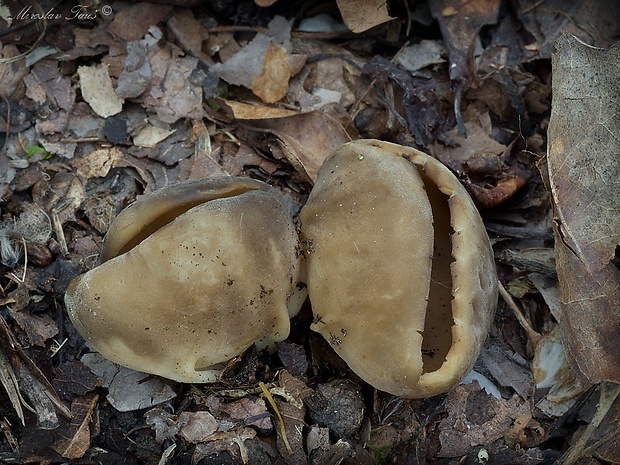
[277, 411]
[533, 335]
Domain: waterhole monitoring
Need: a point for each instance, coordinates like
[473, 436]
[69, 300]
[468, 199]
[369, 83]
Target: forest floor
[105, 102]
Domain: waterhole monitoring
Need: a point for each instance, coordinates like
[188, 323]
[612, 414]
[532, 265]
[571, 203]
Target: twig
[272, 402]
[533, 7]
[166, 454]
[60, 234]
[532, 334]
[460, 124]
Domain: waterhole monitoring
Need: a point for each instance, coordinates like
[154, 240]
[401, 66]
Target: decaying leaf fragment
[75, 443]
[306, 139]
[272, 83]
[584, 182]
[361, 16]
[21, 375]
[97, 90]
[262, 65]
[460, 22]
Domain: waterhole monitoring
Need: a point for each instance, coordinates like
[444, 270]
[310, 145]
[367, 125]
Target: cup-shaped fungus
[191, 276]
[400, 270]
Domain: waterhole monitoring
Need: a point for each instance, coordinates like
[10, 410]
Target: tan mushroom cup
[192, 276]
[400, 270]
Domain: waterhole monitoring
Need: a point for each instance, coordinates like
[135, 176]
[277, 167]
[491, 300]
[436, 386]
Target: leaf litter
[98, 110]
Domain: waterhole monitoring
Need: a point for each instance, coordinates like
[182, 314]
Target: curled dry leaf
[583, 178]
[243, 111]
[306, 139]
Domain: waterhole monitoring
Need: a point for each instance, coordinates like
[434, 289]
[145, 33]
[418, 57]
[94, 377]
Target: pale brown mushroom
[192, 276]
[400, 270]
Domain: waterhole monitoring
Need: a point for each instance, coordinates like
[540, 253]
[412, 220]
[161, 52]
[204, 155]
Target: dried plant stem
[272, 402]
[60, 234]
[166, 454]
[532, 334]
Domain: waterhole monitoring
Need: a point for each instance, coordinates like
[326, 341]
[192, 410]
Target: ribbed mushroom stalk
[400, 270]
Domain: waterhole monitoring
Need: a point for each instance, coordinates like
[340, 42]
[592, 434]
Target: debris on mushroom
[192, 275]
[400, 270]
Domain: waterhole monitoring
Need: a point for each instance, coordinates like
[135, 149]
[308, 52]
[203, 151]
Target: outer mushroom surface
[192, 276]
[400, 270]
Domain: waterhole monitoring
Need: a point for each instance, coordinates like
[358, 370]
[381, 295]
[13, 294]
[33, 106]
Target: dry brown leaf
[506, 368]
[11, 386]
[133, 22]
[246, 67]
[46, 83]
[97, 163]
[133, 390]
[294, 423]
[421, 55]
[73, 378]
[177, 97]
[97, 90]
[25, 377]
[197, 426]
[136, 75]
[231, 441]
[463, 148]
[189, 33]
[246, 111]
[460, 21]
[13, 73]
[149, 136]
[330, 81]
[253, 412]
[272, 84]
[306, 139]
[38, 328]
[61, 195]
[600, 440]
[361, 16]
[204, 162]
[526, 433]
[584, 182]
[77, 441]
[476, 418]
[593, 22]
[237, 159]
